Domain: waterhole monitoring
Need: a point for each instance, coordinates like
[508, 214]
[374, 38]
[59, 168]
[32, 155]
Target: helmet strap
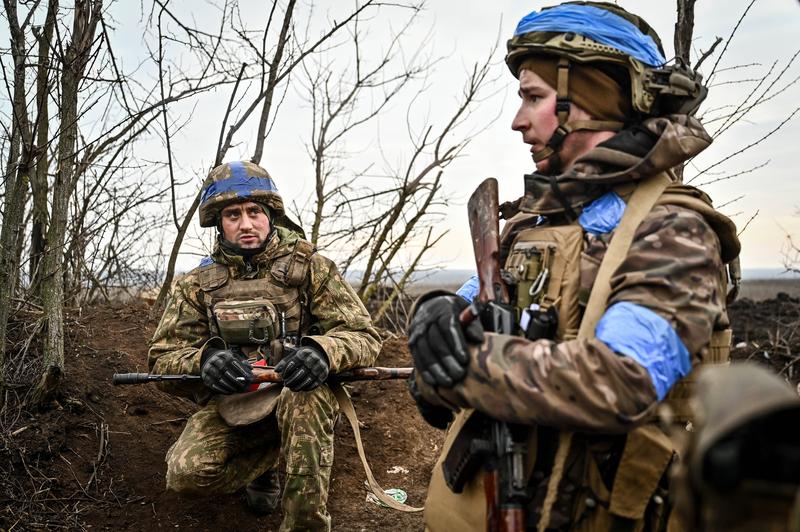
[551, 149]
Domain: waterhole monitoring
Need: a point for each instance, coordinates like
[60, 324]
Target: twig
[708, 53]
[165, 421]
[748, 223]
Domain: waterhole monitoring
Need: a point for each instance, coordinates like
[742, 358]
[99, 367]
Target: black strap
[568, 210]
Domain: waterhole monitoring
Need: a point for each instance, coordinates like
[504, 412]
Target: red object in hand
[260, 363]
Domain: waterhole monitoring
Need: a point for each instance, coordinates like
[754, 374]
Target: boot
[264, 493]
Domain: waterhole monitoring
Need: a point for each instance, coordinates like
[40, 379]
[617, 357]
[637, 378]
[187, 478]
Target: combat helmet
[741, 470]
[241, 181]
[604, 34]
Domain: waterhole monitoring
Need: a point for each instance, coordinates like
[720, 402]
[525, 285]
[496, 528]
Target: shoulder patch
[205, 261]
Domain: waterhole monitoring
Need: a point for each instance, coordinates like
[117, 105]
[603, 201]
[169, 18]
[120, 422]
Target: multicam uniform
[673, 270]
[288, 277]
[665, 312]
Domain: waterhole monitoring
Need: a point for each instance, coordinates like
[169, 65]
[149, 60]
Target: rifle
[503, 451]
[268, 374]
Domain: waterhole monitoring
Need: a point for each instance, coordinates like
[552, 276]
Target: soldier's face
[245, 224]
[536, 119]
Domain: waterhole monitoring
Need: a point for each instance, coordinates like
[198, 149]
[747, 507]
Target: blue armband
[641, 334]
[469, 289]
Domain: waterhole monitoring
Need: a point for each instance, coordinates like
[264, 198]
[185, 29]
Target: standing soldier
[617, 279]
[265, 293]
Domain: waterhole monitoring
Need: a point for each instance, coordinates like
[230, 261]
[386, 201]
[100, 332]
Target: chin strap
[550, 151]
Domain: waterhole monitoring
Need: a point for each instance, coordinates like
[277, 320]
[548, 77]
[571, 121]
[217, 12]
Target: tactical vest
[621, 480]
[258, 314]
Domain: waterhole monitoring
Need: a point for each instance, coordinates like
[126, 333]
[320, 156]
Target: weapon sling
[638, 207]
[345, 404]
[349, 411]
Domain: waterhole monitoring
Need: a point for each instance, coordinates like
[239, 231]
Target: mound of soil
[768, 332]
[98, 456]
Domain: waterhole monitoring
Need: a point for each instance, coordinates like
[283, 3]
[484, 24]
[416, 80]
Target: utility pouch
[291, 269]
[637, 499]
[545, 263]
[678, 399]
[645, 458]
[466, 455]
[242, 322]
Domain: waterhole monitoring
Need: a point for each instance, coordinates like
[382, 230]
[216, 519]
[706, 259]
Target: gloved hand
[439, 344]
[224, 371]
[303, 368]
[436, 416]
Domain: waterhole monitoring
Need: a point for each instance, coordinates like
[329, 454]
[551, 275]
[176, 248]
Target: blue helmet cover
[597, 24]
[239, 183]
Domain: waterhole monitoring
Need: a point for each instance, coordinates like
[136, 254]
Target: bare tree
[82, 144]
[18, 170]
[73, 64]
[276, 63]
[386, 229]
[767, 86]
[337, 95]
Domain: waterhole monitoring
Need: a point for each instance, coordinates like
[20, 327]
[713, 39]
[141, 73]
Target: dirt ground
[95, 460]
[99, 455]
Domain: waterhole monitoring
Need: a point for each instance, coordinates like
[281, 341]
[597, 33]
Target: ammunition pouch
[544, 264]
[466, 455]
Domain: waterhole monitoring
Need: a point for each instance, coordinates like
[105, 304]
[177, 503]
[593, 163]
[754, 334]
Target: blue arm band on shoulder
[603, 214]
[205, 261]
[469, 289]
[641, 334]
[597, 24]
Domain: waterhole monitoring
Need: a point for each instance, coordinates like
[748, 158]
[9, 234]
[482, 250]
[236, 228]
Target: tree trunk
[10, 234]
[684, 28]
[39, 177]
[17, 174]
[85, 20]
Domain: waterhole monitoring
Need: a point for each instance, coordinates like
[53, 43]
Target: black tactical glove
[439, 344]
[436, 416]
[303, 368]
[224, 371]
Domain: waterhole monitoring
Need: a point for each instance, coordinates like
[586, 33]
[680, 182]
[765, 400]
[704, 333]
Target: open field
[761, 289]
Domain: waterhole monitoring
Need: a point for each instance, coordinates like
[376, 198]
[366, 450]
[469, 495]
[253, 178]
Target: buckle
[562, 105]
[557, 137]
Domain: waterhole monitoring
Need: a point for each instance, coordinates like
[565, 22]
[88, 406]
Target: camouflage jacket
[673, 268]
[343, 328]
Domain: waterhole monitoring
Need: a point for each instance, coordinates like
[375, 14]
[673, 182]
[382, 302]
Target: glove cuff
[212, 347]
[313, 344]
[427, 296]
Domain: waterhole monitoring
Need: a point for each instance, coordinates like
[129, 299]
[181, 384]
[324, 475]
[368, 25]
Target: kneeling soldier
[264, 293]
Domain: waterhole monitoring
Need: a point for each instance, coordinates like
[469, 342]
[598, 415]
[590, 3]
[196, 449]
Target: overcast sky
[463, 32]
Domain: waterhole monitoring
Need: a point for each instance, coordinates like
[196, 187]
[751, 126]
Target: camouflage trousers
[211, 457]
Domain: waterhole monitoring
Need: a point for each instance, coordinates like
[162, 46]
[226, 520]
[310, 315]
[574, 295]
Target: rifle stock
[505, 482]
